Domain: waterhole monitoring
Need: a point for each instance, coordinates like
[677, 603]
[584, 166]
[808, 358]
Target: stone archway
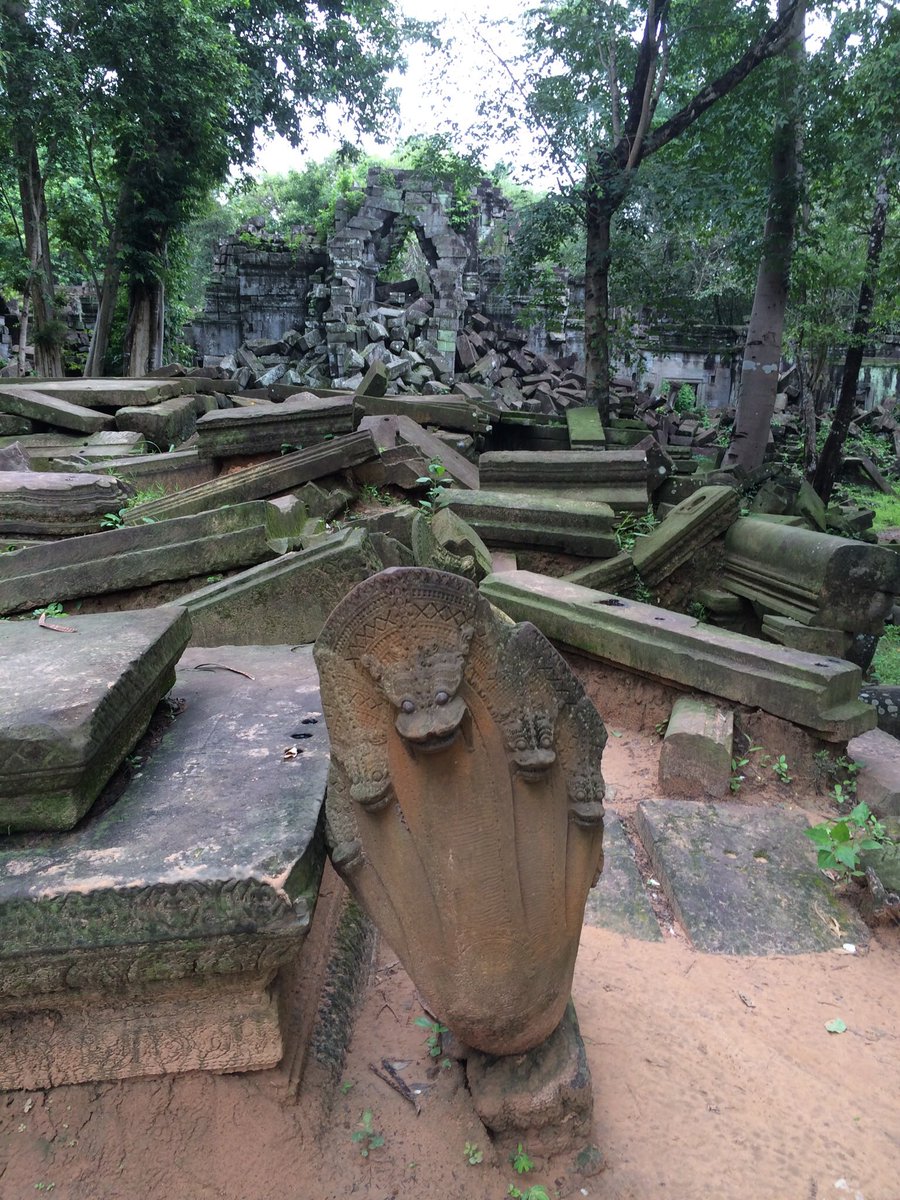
[397, 202]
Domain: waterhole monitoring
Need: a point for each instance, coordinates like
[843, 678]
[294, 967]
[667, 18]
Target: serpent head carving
[423, 688]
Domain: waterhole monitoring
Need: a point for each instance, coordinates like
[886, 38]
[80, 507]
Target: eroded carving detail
[465, 800]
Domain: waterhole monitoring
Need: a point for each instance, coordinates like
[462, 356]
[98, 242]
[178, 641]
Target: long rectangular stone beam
[268, 479]
[107, 393]
[236, 536]
[266, 427]
[568, 468]
[819, 693]
[448, 412]
[532, 519]
[816, 578]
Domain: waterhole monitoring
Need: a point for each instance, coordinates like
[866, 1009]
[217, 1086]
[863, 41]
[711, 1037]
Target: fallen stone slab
[150, 940]
[294, 423]
[73, 704]
[616, 574]
[57, 504]
[690, 526]
[173, 471]
[446, 542]
[537, 519]
[282, 602]
[821, 694]
[618, 900]
[11, 426]
[621, 478]
[279, 475]
[136, 556]
[815, 578]
[878, 783]
[167, 423]
[743, 880]
[61, 451]
[107, 392]
[811, 638]
[695, 758]
[21, 400]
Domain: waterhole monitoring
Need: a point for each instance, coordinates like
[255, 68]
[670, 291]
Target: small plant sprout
[346, 1085]
[473, 1155]
[435, 1032]
[522, 1164]
[537, 1191]
[839, 842]
[367, 1137]
[781, 769]
[437, 481]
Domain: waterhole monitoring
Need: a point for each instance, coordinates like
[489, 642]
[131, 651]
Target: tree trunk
[23, 333]
[599, 216]
[47, 328]
[762, 353]
[144, 333]
[830, 459]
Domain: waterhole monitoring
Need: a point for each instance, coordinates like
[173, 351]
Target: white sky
[443, 89]
[434, 92]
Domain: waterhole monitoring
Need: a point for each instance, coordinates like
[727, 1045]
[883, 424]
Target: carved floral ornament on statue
[465, 803]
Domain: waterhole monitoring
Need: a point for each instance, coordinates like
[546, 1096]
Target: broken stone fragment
[695, 759]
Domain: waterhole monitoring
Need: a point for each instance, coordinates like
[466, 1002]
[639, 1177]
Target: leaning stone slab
[616, 574]
[70, 711]
[149, 940]
[743, 880]
[695, 759]
[235, 536]
[618, 900]
[818, 693]
[282, 602]
[11, 426]
[297, 422]
[57, 504]
[173, 471]
[689, 527]
[585, 428]
[447, 412]
[537, 519]
[815, 578]
[25, 401]
[390, 431]
[878, 783]
[282, 474]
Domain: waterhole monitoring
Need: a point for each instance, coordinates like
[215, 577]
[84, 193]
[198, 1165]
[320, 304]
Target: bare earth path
[715, 1079]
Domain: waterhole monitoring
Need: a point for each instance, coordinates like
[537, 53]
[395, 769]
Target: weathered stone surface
[21, 400]
[695, 759]
[446, 543]
[878, 783]
[885, 699]
[130, 557]
[813, 577]
[105, 392]
[296, 422]
[14, 458]
[448, 412]
[11, 426]
[542, 1099]
[585, 429]
[173, 471]
[537, 519]
[390, 430]
[167, 423]
[616, 574]
[427, 693]
[73, 451]
[690, 525]
[282, 602]
[56, 503]
[282, 474]
[743, 880]
[622, 478]
[811, 638]
[819, 693]
[147, 941]
[618, 900]
[69, 715]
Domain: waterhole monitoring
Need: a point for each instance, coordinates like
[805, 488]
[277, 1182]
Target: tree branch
[769, 44]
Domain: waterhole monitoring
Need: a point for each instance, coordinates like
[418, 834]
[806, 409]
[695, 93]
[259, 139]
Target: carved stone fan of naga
[465, 802]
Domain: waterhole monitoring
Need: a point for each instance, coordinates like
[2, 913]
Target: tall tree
[762, 351]
[611, 84]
